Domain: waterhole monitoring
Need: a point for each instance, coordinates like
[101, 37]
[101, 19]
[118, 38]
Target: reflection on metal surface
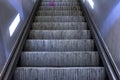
[2, 55]
[13, 17]
[14, 24]
[110, 20]
[91, 3]
[17, 4]
[34, 1]
[84, 1]
[106, 15]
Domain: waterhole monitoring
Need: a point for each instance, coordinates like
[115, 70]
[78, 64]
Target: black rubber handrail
[104, 53]
[9, 68]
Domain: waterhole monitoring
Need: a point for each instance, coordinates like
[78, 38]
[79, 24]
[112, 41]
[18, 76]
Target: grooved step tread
[75, 73]
[59, 45]
[59, 34]
[59, 59]
[59, 4]
[59, 19]
[59, 13]
[44, 8]
[59, 26]
[58, 0]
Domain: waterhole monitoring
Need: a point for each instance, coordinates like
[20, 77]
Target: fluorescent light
[91, 3]
[14, 24]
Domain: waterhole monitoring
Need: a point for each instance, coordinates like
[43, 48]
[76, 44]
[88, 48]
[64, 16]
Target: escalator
[60, 46]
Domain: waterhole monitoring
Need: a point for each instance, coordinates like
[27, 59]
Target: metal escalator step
[69, 73]
[59, 19]
[59, 4]
[59, 26]
[59, 45]
[59, 13]
[59, 34]
[58, 8]
[59, 59]
[59, 0]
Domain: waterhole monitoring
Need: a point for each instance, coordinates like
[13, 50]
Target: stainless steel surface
[9, 9]
[106, 15]
[2, 56]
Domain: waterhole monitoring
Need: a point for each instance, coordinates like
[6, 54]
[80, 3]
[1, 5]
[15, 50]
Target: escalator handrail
[9, 68]
[104, 52]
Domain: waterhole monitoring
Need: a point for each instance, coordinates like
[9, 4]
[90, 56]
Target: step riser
[59, 34]
[59, 13]
[59, 59]
[59, 19]
[59, 45]
[60, 74]
[59, 26]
